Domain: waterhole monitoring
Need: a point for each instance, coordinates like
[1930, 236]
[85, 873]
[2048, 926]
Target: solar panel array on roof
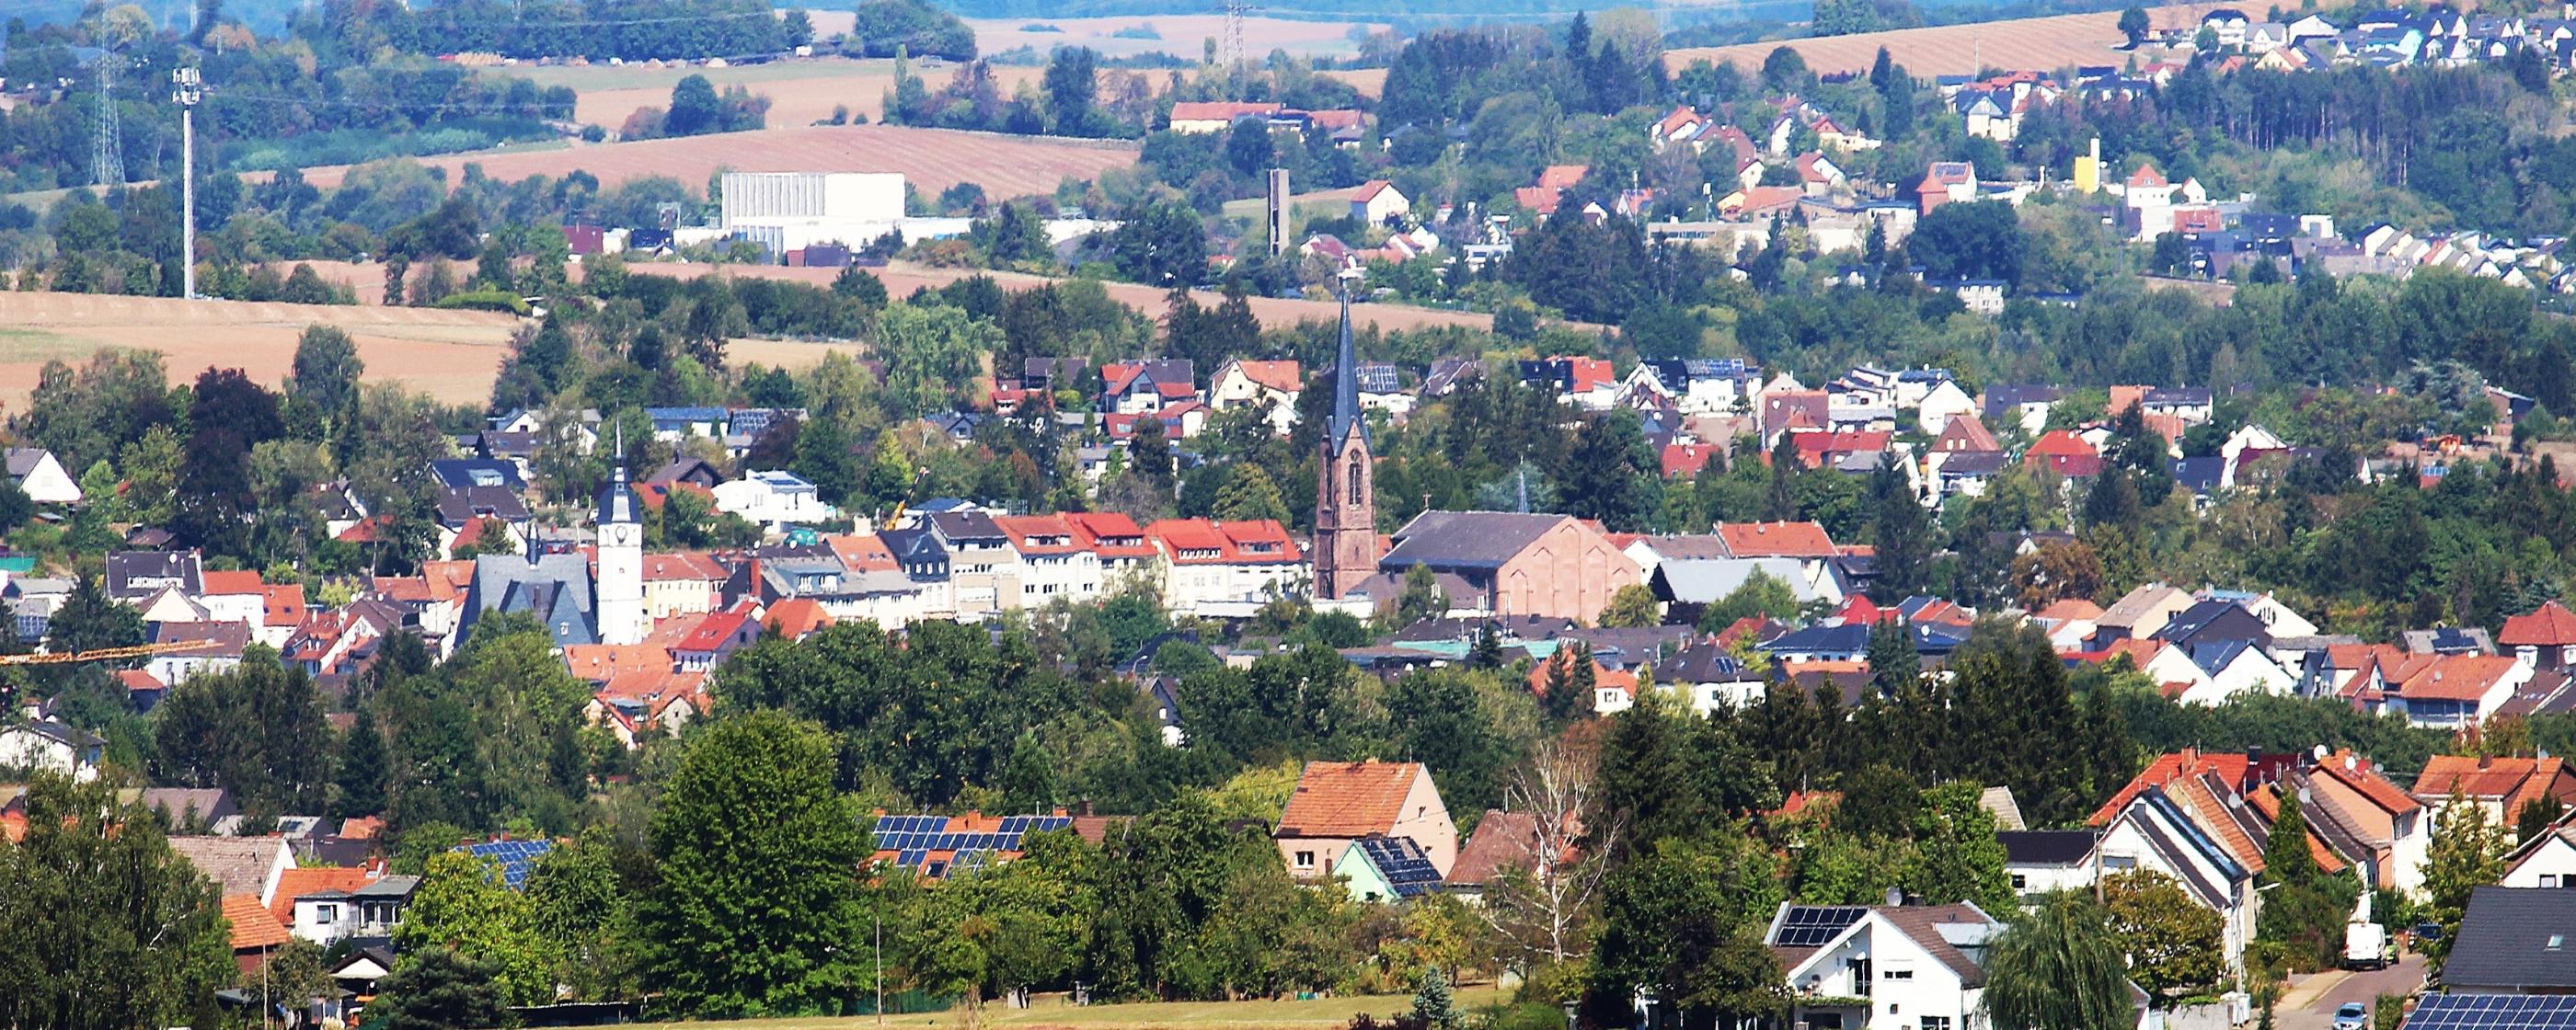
[1400, 861]
[2494, 1012]
[914, 839]
[1812, 926]
[517, 858]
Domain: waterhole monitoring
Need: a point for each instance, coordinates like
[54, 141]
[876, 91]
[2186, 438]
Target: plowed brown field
[2039, 44]
[931, 159]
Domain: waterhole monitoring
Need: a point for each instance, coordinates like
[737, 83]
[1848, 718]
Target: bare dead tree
[1539, 906]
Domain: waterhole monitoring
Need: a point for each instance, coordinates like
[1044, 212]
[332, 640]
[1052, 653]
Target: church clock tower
[1346, 487]
[619, 591]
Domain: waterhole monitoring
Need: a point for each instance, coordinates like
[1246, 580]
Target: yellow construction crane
[103, 654]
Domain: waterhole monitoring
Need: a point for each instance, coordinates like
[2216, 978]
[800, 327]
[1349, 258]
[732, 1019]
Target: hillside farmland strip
[2050, 43]
[931, 159]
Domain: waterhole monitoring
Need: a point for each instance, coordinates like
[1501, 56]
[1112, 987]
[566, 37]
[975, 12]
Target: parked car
[2352, 1016]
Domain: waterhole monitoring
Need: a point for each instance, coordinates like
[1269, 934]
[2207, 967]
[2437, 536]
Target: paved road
[2317, 1011]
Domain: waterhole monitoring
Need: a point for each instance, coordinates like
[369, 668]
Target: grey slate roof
[555, 588]
[132, 575]
[1465, 539]
[2504, 942]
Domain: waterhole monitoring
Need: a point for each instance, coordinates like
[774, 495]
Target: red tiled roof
[712, 631]
[2513, 781]
[678, 566]
[1348, 799]
[1562, 177]
[2072, 609]
[1206, 542]
[254, 928]
[1283, 376]
[1110, 534]
[1687, 459]
[796, 617]
[862, 553]
[138, 679]
[2550, 625]
[2365, 780]
[2146, 177]
[232, 582]
[2459, 677]
[312, 880]
[1776, 539]
[1038, 534]
[282, 604]
[598, 663]
[1965, 433]
[2167, 768]
[2060, 442]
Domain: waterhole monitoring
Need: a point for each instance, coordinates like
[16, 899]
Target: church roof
[617, 501]
[1346, 388]
[556, 588]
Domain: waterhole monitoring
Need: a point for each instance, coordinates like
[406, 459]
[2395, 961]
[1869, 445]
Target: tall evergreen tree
[362, 770]
[1900, 531]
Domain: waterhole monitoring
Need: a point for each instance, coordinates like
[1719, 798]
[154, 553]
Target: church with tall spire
[1346, 487]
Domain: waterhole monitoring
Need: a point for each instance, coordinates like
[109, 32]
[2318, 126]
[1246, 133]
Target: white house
[1270, 387]
[1378, 200]
[1884, 967]
[41, 476]
[327, 917]
[774, 499]
[2547, 860]
[2153, 832]
[2217, 671]
[1214, 569]
[52, 746]
[1054, 564]
[1943, 402]
[2044, 861]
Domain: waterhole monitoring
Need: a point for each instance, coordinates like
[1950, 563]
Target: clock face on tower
[618, 534]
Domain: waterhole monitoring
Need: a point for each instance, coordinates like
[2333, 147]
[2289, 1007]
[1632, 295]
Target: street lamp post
[188, 90]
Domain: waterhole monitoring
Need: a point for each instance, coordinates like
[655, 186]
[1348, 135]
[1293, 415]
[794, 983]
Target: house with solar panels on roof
[1883, 967]
[1386, 869]
[935, 847]
[516, 858]
[1337, 805]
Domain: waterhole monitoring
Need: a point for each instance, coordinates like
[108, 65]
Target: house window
[2549, 879]
[1859, 975]
[325, 915]
[2019, 881]
[1936, 1023]
[1900, 973]
[1305, 860]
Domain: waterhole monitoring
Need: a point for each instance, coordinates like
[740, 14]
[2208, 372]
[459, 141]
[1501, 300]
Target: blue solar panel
[1812, 926]
[517, 858]
[1400, 862]
[2494, 1012]
[910, 858]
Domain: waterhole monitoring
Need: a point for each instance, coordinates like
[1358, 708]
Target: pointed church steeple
[1346, 383]
[1345, 473]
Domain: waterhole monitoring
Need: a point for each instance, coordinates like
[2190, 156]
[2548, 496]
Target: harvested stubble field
[931, 159]
[800, 92]
[452, 355]
[2059, 41]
